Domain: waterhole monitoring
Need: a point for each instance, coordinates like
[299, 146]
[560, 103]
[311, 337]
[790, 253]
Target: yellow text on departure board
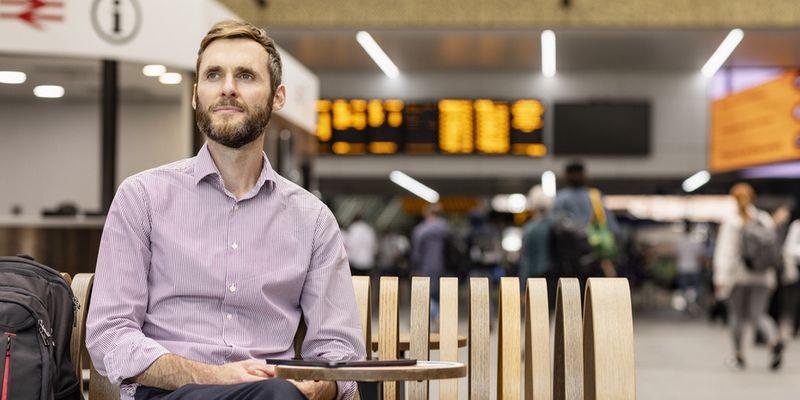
[324, 128]
[455, 126]
[492, 135]
[349, 114]
[526, 115]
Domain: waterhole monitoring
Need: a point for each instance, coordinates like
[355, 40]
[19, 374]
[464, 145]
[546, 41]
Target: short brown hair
[230, 29]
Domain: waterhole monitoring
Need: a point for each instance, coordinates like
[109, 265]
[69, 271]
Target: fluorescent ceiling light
[154, 70]
[48, 91]
[170, 78]
[376, 53]
[695, 181]
[723, 52]
[414, 186]
[548, 53]
[12, 77]
[549, 183]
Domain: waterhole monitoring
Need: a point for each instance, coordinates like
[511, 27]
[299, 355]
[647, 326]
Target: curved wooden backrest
[508, 340]
[479, 339]
[363, 292]
[609, 370]
[448, 333]
[388, 328]
[419, 333]
[537, 341]
[99, 386]
[568, 354]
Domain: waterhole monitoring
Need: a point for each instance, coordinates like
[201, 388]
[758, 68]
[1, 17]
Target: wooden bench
[592, 359]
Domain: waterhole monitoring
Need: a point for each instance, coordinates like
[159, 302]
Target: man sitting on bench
[206, 265]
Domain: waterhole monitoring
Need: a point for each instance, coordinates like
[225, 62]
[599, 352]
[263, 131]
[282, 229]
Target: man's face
[232, 98]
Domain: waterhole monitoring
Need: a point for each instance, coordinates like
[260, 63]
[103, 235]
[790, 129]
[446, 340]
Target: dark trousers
[270, 389]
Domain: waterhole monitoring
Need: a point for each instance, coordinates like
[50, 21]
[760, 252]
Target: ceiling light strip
[548, 53]
[695, 181]
[377, 54]
[722, 53]
[414, 186]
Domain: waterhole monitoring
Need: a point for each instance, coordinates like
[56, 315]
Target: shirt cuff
[132, 358]
[345, 390]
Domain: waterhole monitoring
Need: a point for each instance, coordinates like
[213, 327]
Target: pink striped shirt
[185, 268]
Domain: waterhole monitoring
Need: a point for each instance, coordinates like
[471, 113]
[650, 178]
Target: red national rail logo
[32, 12]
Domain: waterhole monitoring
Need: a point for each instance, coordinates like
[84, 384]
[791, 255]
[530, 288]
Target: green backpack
[598, 234]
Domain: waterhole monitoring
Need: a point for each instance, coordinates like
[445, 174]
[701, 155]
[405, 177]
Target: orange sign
[757, 126]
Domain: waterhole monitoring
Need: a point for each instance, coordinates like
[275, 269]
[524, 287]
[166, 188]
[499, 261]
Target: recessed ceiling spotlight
[48, 91]
[170, 78]
[12, 77]
[154, 70]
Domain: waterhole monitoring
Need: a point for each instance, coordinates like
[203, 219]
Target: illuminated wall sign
[448, 126]
[757, 126]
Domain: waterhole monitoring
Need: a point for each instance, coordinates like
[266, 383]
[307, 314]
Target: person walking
[361, 245]
[740, 275]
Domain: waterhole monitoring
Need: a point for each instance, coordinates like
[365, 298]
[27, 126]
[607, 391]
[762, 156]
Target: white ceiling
[506, 50]
[440, 51]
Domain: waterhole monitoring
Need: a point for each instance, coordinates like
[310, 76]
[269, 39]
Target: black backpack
[37, 314]
[759, 246]
[570, 251]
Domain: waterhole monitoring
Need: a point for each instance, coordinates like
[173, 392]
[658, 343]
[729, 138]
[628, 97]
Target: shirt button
[234, 246]
[233, 288]
[236, 207]
[229, 316]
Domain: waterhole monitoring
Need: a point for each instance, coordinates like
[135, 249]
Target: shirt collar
[204, 166]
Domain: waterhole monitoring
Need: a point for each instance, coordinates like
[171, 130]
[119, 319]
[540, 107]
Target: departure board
[446, 126]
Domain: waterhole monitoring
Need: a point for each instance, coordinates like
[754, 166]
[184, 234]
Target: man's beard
[230, 135]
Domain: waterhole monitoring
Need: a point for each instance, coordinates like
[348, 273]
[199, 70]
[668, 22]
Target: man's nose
[229, 87]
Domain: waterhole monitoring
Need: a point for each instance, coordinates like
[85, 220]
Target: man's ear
[280, 98]
[194, 96]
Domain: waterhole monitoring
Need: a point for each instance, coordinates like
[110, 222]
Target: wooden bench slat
[508, 340]
[568, 354]
[388, 329]
[609, 367]
[538, 384]
[419, 333]
[448, 333]
[479, 339]
[363, 292]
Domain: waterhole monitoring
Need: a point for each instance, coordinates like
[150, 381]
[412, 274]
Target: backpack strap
[598, 213]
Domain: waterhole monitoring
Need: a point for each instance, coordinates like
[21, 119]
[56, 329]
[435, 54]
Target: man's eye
[246, 76]
[212, 75]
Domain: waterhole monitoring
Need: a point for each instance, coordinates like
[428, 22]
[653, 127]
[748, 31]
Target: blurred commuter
[392, 254]
[689, 252]
[484, 250]
[745, 260]
[790, 279]
[361, 244]
[535, 261]
[428, 242]
[582, 215]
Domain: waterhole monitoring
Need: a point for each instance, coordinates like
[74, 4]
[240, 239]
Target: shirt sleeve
[328, 302]
[114, 338]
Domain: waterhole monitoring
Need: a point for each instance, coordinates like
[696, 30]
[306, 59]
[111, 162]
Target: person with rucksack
[583, 233]
[746, 258]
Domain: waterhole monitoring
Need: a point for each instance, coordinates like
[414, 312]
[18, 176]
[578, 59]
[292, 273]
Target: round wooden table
[422, 371]
[369, 379]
